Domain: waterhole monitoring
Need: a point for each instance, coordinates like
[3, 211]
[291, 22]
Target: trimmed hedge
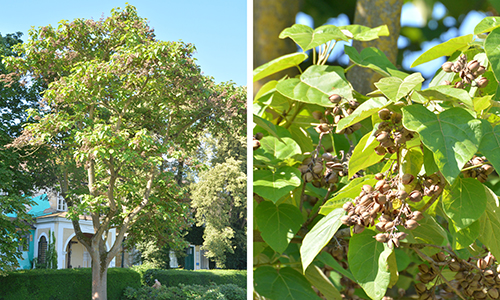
[199, 277]
[42, 284]
[187, 292]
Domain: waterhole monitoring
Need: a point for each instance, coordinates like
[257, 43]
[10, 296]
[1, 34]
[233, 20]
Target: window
[42, 250]
[61, 204]
[24, 243]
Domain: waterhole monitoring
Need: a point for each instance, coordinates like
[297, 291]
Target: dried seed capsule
[415, 196]
[473, 65]
[345, 220]
[318, 168]
[402, 195]
[388, 226]
[480, 71]
[358, 228]
[407, 179]
[396, 118]
[423, 268]
[482, 82]
[384, 114]
[379, 176]
[382, 199]
[356, 126]
[348, 206]
[318, 115]
[489, 259]
[493, 293]
[335, 98]
[258, 135]
[487, 169]
[439, 257]
[256, 144]
[481, 264]
[380, 226]
[382, 237]
[367, 188]
[417, 215]
[420, 288]
[447, 66]
[411, 224]
[396, 242]
[380, 150]
[479, 295]
[308, 177]
[454, 266]
[383, 136]
[459, 85]
[390, 244]
[400, 235]
[332, 178]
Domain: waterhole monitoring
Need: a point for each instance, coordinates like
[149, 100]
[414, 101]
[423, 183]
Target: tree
[387, 195]
[119, 105]
[19, 174]
[219, 194]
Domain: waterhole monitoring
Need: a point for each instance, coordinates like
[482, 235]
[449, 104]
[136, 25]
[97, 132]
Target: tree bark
[270, 17]
[99, 274]
[373, 13]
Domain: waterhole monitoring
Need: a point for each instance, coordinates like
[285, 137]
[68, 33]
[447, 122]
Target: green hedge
[41, 284]
[187, 292]
[199, 277]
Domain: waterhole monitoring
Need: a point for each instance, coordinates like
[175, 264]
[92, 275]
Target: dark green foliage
[181, 292]
[200, 277]
[75, 284]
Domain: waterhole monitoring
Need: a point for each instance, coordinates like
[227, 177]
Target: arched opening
[42, 250]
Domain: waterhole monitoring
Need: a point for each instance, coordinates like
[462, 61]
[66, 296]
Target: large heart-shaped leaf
[307, 38]
[319, 236]
[368, 263]
[283, 284]
[396, 88]
[283, 149]
[490, 223]
[453, 136]
[278, 224]
[317, 278]
[268, 126]
[448, 93]
[464, 202]
[490, 144]
[316, 85]
[466, 236]
[429, 232]
[275, 184]
[444, 49]
[365, 110]
[278, 64]
[364, 34]
[374, 59]
[487, 24]
[364, 155]
[492, 49]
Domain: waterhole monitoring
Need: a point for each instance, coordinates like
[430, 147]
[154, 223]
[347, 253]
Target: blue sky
[217, 28]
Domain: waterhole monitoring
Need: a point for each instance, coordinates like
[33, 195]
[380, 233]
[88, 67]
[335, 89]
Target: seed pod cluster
[342, 109]
[478, 168]
[431, 185]
[323, 170]
[390, 133]
[256, 140]
[469, 72]
[377, 203]
[475, 278]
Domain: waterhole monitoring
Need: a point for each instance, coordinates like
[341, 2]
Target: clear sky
[217, 28]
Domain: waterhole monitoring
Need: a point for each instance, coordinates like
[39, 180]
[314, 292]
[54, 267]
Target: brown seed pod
[387, 144]
[396, 242]
[459, 85]
[332, 177]
[379, 176]
[473, 65]
[423, 268]
[384, 114]
[327, 156]
[382, 237]
[411, 224]
[382, 199]
[258, 135]
[447, 66]
[335, 98]
[417, 215]
[480, 71]
[318, 168]
[439, 257]
[390, 244]
[318, 115]
[308, 177]
[481, 264]
[337, 118]
[479, 295]
[380, 150]
[367, 188]
[482, 82]
[454, 266]
[388, 226]
[396, 118]
[487, 169]
[400, 235]
[345, 220]
[420, 288]
[356, 126]
[489, 259]
[380, 226]
[493, 293]
[402, 195]
[407, 179]
[383, 136]
[256, 144]
[415, 196]
[358, 229]
[348, 206]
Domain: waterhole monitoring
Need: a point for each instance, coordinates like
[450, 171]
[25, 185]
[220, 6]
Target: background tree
[119, 105]
[19, 172]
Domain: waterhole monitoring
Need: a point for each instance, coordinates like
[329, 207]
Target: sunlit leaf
[365, 110]
[278, 224]
[396, 88]
[319, 236]
[487, 24]
[374, 59]
[444, 49]
[490, 144]
[448, 93]
[273, 185]
[307, 38]
[490, 223]
[278, 64]
[364, 34]
[364, 155]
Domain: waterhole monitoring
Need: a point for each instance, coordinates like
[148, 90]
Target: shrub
[187, 292]
[199, 277]
[64, 284]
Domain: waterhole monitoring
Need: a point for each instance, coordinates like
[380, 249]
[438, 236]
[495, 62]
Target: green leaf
[396, 88]
[444, 49]
[448, 93]
[465, 237]
[278, 224]
[429, 162]
[393, 268]
[346, 193]
[490, 223]
[316, 85]
[487, 24]
[268, 126]
[374, 59]
[490, 144]
[364, 34]
[368, 263]
[364, 155]
[283, 149]
[365, 110]
[492, 49]
[278, 64]
[317, 278]
[319, 236]
[283, 284]
[273, 185]
[464, 202]
[453, 136]
[429, 232]
[307, 38]
[328, 259]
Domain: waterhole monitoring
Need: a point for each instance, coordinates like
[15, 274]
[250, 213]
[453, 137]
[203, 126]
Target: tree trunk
[373, 13]
[270, 17]
[99, 277]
